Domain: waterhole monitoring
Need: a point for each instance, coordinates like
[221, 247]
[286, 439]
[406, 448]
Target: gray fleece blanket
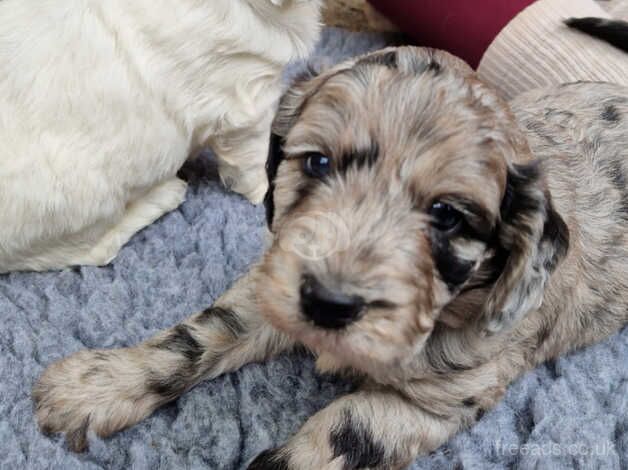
[572, 413]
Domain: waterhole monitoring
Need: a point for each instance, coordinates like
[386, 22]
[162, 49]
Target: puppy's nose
[326, 308]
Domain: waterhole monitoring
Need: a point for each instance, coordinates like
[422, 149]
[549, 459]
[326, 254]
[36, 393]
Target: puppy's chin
[355, 350]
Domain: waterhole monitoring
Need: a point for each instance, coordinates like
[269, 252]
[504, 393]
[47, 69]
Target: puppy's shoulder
[590, 101]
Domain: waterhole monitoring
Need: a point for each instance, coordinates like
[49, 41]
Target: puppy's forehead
[431, 129]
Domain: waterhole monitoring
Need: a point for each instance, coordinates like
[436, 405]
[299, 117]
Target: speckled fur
[550, 276]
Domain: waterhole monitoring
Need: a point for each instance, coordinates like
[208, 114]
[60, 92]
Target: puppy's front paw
[97, 391]
[270, 459]
[301, 458]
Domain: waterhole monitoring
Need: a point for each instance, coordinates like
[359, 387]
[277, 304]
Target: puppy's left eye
[445, 217]
[317, 165]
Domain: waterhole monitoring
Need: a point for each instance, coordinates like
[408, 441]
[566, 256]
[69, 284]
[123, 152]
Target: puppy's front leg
[108, 390]
[242, 159]
[370, 429]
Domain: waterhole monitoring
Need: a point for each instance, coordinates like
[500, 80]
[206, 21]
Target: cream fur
[101, 102]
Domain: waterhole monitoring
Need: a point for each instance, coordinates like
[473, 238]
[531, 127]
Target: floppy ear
[289, 110]
[534, 238]
[305, 85]
[275, 157]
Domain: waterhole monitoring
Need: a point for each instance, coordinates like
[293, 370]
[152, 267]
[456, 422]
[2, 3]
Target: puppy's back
[580, 133]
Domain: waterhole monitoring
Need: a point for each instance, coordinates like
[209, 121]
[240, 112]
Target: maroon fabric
[463, 27]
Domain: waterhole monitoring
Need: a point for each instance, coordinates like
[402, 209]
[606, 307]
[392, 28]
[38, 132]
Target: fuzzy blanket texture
[571, 413]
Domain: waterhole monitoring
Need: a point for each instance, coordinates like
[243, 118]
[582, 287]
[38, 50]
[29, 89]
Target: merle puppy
[428, 238]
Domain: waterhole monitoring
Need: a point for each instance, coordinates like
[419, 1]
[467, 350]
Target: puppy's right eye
[317, 165]
[445, 217]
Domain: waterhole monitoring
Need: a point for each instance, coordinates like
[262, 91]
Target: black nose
[326, 308]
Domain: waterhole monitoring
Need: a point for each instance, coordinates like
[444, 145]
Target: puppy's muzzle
[327, 308]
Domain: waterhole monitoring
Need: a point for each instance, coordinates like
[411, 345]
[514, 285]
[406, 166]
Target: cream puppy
[101, 102]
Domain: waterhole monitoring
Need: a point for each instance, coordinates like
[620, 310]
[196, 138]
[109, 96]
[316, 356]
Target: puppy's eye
[317, 165]
[445, 217]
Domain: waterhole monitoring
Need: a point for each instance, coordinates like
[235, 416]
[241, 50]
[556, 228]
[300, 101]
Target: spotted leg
[105, 391]
[381, 428]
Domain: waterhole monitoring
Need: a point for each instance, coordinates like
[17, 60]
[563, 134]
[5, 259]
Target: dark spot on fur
[354, 441]
[479, 413]
[92, 372]
[555, 230]
[366, 157]
[524, 205]
[610, 114]
[616, 173]
[226, 316]
[469, 402]
[434, 67]
[275, 157]
[270, 460]
[383, 305]
[47, 430]
[386, 59]
[478, 224]
[542, 335]
[614, 32]
[518, 199]
[172, 385]
[181, 341]
[77, 439]
[453, 271]
[423, 66]
[507, 200]
[618, 179]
